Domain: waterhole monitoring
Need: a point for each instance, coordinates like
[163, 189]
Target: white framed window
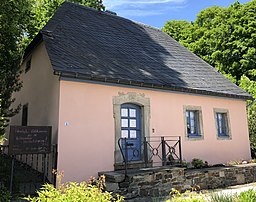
[193, 122]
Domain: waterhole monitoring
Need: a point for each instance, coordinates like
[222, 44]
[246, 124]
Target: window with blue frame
[222, 124]
[193, 123]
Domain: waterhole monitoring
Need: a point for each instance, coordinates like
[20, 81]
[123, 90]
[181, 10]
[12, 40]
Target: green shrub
[2, 139]
[5, 173]
[197, 163]
[247, 196]
[4, 195]
[188, 196]
[222, 198]
[184, 164]
[75, 192]
[5, 170]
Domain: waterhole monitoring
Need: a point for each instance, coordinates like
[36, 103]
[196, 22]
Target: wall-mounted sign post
[29, 140]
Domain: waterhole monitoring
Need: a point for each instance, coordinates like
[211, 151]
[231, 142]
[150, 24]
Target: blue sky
[157, 12]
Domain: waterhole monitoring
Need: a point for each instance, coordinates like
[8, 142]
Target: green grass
[222, 198]
[245, 196]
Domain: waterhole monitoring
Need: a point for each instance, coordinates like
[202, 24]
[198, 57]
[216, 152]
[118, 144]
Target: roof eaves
[33, 44]
[67, 74]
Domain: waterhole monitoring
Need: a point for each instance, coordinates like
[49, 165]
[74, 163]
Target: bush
[252, 129]
[2, 139]
[222, 198]
[197, 163]
[188, 196]
[5, 173]
[4, 195]
[184, 164]
[247, 196]
[75, 192]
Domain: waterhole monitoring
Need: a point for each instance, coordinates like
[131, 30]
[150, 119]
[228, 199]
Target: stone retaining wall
[159, 182]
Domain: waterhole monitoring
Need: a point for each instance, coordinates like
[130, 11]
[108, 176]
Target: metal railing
[153, 151]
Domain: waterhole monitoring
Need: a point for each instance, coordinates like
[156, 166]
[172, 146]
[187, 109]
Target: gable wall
[40, 91]
[87, 127]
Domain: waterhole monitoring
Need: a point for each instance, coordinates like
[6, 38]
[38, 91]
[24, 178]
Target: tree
[45, 9]
[12, 29]
[250, 86]
[226, 39]
[223, 37]
[20, 21]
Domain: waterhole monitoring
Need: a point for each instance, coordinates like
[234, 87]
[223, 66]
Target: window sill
[224, 137]
[194, 137]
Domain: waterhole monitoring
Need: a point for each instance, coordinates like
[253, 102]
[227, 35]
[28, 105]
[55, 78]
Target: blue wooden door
[131, 130]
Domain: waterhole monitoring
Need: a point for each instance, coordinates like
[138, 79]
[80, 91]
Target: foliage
[245, 196]
[20, 21]
[5, 174]
[75, 192]
[44, 10]
[250, 86]
[188, 196]
[222, 198]
[223, 37]
[184, 164]
[234, 162]
[12, 30]
[2, 139]
[226, 39]
[197, 163]
[5, 195]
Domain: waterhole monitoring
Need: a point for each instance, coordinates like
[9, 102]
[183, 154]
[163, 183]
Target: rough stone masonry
[155, 182]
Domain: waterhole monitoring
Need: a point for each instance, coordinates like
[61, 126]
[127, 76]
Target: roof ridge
[148, 26]
[111, 15]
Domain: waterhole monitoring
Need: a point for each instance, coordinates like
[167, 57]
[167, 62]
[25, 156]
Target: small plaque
[30, 139]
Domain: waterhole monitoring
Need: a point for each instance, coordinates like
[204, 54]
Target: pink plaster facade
[84, 126]
[86, 138]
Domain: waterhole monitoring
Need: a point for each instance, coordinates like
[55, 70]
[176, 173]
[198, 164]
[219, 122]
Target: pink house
[96, 77]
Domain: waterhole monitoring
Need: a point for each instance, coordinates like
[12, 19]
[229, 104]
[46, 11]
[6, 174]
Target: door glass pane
[124, 134]
[132, 123]
[124, 123]
[124, 112]
[132, 112]
[133, 134]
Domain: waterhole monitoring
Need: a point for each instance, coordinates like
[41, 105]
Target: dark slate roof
[89, 44]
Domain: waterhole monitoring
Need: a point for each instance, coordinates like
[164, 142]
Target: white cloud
[113, 4]
[143, 12]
